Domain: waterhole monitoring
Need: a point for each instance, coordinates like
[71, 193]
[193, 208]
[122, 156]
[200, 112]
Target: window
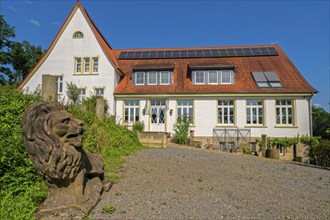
[199, 77]
[254, 112]
[131, 112]
[267, 79]
[95, 64]
[226, 77]
[185, 109]
[152, 78]
[284, 112]
[226, 112]
[139, 78]
[165, 78]
[78, 65]
[86, 64]
[202, 77]
[213, 77]
[82, 94]
[99, 91]
[59, 84]
[78, 35]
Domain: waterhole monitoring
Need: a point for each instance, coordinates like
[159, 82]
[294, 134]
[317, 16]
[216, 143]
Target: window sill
[255, 126]
[85, 74]
[285, 126]
[226, 126]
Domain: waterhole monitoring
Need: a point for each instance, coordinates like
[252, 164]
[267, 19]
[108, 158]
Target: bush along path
[21, 188]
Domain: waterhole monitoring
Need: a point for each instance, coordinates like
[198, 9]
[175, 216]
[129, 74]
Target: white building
[251, 89]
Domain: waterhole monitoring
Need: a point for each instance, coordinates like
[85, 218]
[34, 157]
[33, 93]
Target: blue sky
[300, 27]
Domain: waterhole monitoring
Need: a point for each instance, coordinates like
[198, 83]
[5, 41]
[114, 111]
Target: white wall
[61, 62]
[206, 117]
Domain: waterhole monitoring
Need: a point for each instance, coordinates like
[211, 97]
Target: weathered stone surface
[53, 139]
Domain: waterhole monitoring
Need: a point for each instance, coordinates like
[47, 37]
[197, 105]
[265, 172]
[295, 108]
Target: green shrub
[138, 126]
[322, 154]
[109, 209]
[181, 131]
[107, 138]
[21, 188]
[247, 150]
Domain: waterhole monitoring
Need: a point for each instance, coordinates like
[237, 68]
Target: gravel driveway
[184, 183]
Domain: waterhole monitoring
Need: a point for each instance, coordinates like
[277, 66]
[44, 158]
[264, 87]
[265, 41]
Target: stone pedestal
[49, 88]
[264, 144]
[100, 106]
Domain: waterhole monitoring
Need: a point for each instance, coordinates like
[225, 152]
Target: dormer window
[152, 75]
[78, 35]
[267, 79]
[204, 77]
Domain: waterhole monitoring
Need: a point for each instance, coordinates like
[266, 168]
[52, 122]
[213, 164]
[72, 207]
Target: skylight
[267, 79]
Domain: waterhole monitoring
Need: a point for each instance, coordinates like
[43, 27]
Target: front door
[157, 115]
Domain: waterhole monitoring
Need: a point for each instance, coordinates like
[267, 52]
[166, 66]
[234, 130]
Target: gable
[60, 55]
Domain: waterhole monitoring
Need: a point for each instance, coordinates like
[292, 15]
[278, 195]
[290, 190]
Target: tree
[72, 92]
[16, 59]
[6, 35]
[321, 121]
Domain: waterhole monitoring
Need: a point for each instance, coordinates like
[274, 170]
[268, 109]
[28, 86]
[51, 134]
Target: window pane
[78, 65]
[165, 77]
[95, 64]
[225, 77]
[86, 63]
[213, 76]
[199, 77]
[152, 78]
[139, 78]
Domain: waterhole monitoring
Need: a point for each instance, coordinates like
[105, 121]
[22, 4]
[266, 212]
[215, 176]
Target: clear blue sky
[300, 27]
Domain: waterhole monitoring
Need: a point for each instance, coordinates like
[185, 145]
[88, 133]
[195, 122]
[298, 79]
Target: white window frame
[133, 111]
[59, 80]
[148, 77]
[82, 94]
[78, 63]
[87, 64]
[199, 77]
[216, 74]
[136, 78]
[251, 105]
[282, 109]
[186, 106]
[99, 91]
[226, 105]
[168, 77]
[230, 77]
[95, 61]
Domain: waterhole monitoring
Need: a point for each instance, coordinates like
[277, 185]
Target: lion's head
[53, 139]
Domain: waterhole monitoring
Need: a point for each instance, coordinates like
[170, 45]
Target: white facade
[61, 62]
[206, 115]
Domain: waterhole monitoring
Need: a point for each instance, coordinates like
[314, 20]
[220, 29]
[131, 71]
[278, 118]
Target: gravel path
[183, 183]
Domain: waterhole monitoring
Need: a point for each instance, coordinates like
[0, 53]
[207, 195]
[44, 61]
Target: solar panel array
[168, 54]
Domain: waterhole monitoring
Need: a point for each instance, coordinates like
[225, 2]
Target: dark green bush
[322, 154]
[21, 188]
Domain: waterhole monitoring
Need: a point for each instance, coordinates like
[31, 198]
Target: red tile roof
[292, 80]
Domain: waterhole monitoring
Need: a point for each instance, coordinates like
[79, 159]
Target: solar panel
[229, 52]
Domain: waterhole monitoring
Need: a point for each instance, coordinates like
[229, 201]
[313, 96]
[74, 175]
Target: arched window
[78, 35]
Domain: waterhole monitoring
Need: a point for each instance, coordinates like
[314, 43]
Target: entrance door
[157, 115]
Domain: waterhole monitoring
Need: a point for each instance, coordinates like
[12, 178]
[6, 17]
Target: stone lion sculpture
[53, 140]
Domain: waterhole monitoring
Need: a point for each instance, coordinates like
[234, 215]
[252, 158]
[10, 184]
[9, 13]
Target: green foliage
[322, 153]
[321, 122]
[138, 126]
[72, 92]
[259, 142]
[109, 209]
[21, 188]
[247, 150]
[313, 142]
[285, 142]
[106, 137]
[181, 131]
[89, 104]
[16, 58]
